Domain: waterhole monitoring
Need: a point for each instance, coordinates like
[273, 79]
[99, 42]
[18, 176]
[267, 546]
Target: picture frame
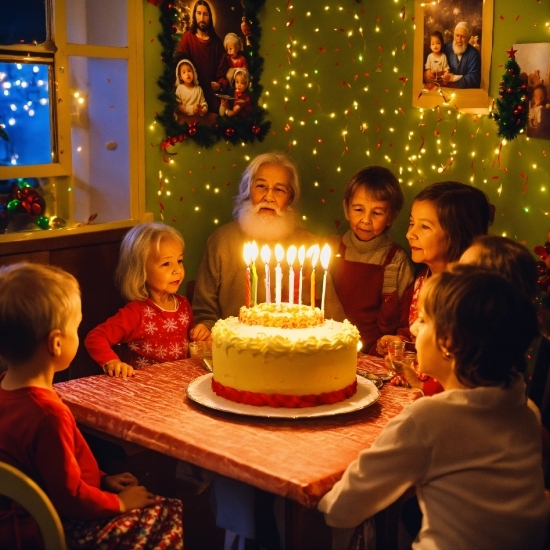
[209, 124]
[534, 63]
[444, 15]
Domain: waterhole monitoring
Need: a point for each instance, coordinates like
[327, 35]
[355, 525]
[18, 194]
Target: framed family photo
[452, 54]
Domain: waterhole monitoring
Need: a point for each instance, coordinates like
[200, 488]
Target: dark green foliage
[512, 105]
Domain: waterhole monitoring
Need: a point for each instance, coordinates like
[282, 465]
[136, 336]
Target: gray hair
[463, 25]
[130, 274]
[275, 158]
[232, 38]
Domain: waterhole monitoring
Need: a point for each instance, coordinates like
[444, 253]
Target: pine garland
[232, 129]
[512, 108]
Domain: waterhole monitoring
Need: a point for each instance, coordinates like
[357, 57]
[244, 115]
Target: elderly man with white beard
[264, 212]
[464, 61]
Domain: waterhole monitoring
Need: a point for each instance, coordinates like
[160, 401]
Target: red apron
[359, 289]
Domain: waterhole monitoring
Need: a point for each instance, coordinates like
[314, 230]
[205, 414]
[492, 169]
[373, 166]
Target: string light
[329, 68]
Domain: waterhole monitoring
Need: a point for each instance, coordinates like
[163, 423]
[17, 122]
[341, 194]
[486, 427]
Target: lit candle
[325, 257]
[301, 259]
[266, 256]
[290, 257]
[253, 256]
[246, 255]
[313, 251]
[279, 255]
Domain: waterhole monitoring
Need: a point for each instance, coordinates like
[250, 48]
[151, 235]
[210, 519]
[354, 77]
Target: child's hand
[135, 497]
[382, 343]
[118, 369]
[200, 332]
[119, 482]
[196, 109]
[215, 85]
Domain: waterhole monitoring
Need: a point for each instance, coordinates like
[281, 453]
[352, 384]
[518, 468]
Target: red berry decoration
[256, 129]
[229, 131]
[509, 90]
[192, 131]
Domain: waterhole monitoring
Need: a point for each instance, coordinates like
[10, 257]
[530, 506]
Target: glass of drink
[396, 352]
[200, 349]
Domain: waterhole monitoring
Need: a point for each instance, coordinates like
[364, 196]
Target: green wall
[334, 86]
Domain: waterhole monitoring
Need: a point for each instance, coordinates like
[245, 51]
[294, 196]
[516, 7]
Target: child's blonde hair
[131, 274]
[34, 300]
[242, 72]
[232, 38]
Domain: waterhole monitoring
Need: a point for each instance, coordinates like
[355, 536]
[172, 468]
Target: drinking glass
[396, 351]
[200, 349]
[409, 358]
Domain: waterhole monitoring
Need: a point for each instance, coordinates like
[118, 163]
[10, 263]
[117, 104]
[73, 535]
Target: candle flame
[253, 251]
[313, 251]
[301, 255]
[279, 253]
[325, 256]
[291, 255]
[265, 254]
[246, 253]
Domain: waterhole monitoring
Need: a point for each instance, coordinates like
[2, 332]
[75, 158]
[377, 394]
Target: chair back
[18, 486]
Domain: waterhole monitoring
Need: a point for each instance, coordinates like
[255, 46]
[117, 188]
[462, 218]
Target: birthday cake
[284, 356]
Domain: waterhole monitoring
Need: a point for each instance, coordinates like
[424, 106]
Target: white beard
[266, 227]
[459, 50]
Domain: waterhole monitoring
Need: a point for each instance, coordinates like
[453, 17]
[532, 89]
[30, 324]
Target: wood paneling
[92, 259]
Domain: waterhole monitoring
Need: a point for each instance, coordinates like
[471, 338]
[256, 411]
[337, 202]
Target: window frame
[62, 167]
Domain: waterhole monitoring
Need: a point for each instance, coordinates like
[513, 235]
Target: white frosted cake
[284, 356]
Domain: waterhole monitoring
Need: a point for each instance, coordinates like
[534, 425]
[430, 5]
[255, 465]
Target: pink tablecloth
[298, 459]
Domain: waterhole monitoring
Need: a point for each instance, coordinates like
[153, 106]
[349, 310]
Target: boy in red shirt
[40, 311]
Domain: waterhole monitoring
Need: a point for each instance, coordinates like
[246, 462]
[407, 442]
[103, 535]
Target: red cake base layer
[278, 400]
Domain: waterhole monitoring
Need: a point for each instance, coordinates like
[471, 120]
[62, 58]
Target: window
[71, 104]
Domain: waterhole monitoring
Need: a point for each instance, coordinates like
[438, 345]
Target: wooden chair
[18, 486]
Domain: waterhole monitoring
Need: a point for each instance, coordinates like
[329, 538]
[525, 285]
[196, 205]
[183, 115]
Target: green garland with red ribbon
[232, 129]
